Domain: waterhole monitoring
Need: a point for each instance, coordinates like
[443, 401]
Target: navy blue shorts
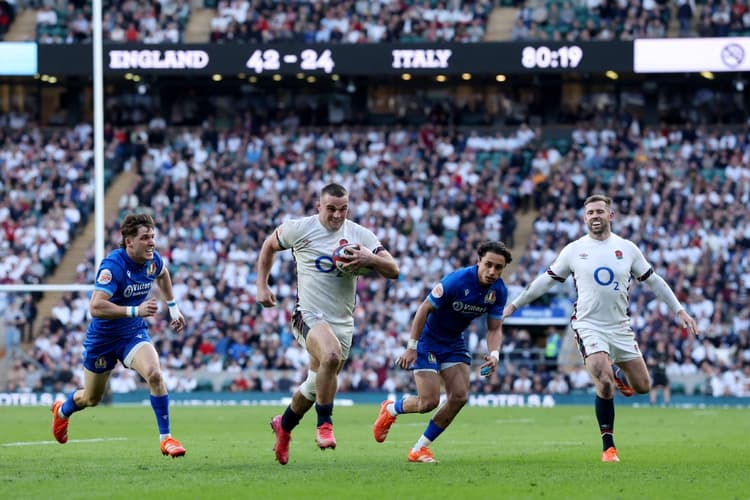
[436, 356]
[100, 355]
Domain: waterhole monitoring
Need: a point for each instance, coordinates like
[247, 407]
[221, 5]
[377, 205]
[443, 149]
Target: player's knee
[154, 378]
[458, 399]
[606, 388]
[427, 404]
[641, 387]
[331, 360]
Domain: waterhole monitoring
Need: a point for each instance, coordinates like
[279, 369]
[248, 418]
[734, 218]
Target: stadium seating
[217, 288]
[138, 21]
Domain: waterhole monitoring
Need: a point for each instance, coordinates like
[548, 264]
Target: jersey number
[605, 277]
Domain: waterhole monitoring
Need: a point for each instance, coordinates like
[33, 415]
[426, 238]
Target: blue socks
[160, 404]
[399, 406]
[69, 407]
[433, 431]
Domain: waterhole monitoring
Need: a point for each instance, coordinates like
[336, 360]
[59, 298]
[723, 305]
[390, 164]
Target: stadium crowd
[430, 192]
[628, 19]
[350, 21]
[124, 21]
[46, 196]
[268, 21]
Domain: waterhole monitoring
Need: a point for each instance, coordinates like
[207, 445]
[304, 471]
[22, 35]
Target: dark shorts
[435, 356]
[100, 355]
[660, 379]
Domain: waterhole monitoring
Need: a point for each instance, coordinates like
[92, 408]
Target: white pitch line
[37, 443]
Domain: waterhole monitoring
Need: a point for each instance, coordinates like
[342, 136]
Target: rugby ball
[342, 255]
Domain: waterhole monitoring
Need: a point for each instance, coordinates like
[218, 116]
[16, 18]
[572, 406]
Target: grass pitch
[113, 452]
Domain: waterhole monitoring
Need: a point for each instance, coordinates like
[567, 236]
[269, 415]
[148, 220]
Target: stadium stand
[233, 345]
[622, 20]
[349, 21]
[124, 22]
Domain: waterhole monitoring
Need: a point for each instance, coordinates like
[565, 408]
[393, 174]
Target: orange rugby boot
[610, 455]
[170, 446]
[383, 422]
[423, 455]
[59, 424]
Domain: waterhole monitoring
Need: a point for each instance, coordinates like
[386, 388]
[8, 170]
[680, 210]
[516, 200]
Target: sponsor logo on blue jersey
[462, 307]
[135, 289]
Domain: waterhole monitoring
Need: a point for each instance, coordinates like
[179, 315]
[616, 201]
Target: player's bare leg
[599, 367]
[323, 345]
[427, 399]
[146, 363]
[94, 386]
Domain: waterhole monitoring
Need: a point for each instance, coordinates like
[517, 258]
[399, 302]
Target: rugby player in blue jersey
[437, 349]
[118, 332]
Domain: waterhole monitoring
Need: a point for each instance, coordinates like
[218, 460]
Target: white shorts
[621, 346]
[302, 321]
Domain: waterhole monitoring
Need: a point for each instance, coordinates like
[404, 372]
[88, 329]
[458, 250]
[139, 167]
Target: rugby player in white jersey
[323, 321]
[603, 266]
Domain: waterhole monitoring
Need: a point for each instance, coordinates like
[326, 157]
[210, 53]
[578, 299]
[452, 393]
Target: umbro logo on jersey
[583, 256]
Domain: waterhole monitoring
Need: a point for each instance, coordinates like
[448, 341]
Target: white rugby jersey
[321, 288]
[602, 271]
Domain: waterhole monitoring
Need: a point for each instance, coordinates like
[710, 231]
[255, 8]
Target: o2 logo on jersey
[605, 276]
[324, 264]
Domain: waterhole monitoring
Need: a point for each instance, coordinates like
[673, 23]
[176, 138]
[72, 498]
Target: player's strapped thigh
[304, 321]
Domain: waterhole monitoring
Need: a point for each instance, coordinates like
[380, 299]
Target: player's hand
[509, 310]
[489, 366]
[407, 359]
[266, 297]
[688, 323]
[361, 256]
[177, 322]
[148, 308]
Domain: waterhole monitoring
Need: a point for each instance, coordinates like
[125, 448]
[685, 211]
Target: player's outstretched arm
[534, 290]
[666, 295]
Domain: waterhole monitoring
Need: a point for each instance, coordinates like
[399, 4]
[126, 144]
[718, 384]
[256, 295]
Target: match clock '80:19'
[544, 57]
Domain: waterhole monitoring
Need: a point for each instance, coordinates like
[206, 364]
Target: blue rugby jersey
[459, 299]
[128, 284]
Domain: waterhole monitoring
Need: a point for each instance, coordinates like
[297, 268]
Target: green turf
[487, 452]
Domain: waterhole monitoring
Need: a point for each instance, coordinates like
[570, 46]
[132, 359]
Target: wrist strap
[495, 355]
[131, 311]
[412, 344]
